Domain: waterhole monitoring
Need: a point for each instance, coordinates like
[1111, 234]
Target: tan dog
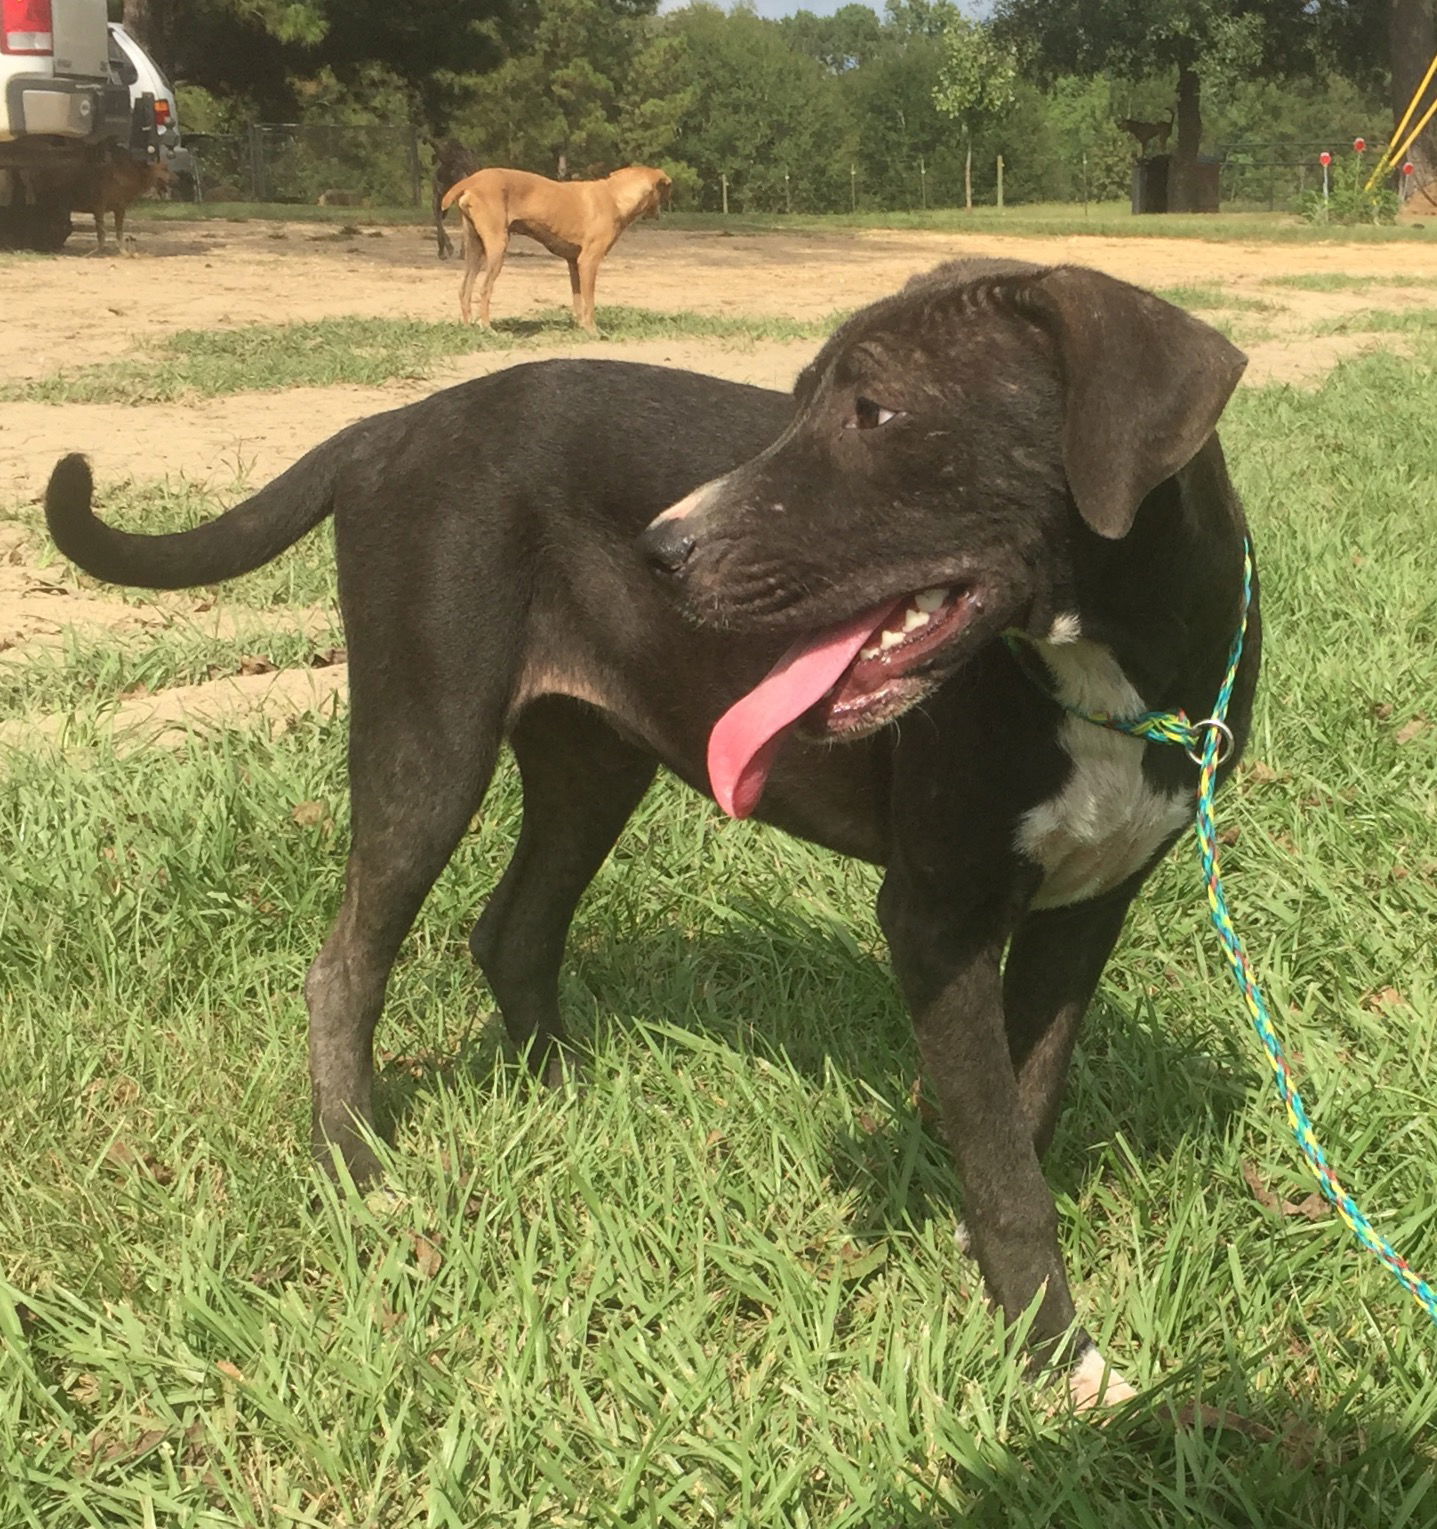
[580, 221]
[110, 185]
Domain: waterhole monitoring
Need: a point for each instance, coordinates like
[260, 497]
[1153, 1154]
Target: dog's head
[955, 448]
[652, 189]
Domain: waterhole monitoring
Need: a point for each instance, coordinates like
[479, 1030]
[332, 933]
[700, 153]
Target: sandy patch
[78, 310]
[170, 718]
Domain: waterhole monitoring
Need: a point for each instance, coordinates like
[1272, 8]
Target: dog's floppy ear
[1145, 384]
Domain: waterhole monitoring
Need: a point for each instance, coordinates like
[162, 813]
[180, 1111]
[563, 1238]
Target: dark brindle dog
[997, 449]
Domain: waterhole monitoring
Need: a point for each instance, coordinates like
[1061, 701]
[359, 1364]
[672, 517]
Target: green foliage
[978, 76]
[589, 89]
[1348, 199]
[892, 103]
[854, 111]
[760, 110]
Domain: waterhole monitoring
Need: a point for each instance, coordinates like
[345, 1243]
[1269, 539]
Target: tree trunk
[1182, 168]
[1412, 41]
[151, 24]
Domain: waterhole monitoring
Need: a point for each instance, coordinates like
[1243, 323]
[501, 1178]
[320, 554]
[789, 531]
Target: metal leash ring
[1227, 743]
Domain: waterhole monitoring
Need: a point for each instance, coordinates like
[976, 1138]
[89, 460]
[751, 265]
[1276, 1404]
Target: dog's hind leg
[426, 716]
[496, 246]
[581, 783]
[473, 263]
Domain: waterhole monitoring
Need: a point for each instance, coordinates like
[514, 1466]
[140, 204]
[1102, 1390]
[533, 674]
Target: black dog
[452, 164]
[999, 449]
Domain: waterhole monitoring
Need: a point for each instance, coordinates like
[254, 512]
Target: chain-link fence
[342, 165]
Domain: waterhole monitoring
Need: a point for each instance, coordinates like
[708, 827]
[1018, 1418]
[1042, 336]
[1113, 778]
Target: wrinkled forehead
[933, 337]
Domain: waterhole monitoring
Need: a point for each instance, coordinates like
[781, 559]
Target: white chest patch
[1107, 822]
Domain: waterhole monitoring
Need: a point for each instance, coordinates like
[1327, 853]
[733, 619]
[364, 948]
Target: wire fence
[334, 164]
[1276, 175]
[360, 165]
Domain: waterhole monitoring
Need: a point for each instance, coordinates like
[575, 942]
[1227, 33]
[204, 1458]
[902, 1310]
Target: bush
[1348, 200]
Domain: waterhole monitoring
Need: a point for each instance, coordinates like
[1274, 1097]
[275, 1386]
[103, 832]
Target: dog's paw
[564, 1070]
[963, 1239]
[1093, 1383]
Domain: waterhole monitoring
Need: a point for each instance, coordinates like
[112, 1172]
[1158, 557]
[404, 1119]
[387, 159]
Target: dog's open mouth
[849, 680]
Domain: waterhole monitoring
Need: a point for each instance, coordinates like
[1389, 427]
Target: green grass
[1199, 296]
[203, 363]
[1339, 281]
[1383, 321]
[720, 1286]
[278, 212]
[1100, 219]
[97, 671]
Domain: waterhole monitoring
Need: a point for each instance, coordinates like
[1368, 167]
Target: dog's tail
[241, 539]
[454, 193]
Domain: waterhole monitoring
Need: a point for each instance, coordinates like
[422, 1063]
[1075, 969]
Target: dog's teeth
[928, 600]
[872, 651]
[913, 619]
[890, 639]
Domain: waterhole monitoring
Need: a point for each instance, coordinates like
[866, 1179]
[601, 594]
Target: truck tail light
[25, 27]
[162, 112]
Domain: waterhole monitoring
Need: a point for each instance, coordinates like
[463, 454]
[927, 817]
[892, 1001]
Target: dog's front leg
[1054, 962]
[948, 960]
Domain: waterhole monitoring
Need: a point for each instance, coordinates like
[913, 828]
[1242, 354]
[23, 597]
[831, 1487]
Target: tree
[565, 102]
[1389, 44]
[976, 83]
[845, 40]
[1412, 44]
[768, 118]
[257, 48]
[1188, 40]
[904, 143]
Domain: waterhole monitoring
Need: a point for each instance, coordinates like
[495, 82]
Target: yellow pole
[1416, 132]
[1387, 158]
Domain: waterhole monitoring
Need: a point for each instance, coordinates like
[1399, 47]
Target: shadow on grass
[1272, 1462]
[806, 997]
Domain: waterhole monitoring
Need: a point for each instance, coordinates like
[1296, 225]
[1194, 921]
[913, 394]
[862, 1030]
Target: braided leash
[1208, 744]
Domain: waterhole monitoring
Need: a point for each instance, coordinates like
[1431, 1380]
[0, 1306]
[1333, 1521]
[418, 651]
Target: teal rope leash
[1208, 744]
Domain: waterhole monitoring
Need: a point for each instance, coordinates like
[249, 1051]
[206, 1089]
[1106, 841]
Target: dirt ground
[80, 308]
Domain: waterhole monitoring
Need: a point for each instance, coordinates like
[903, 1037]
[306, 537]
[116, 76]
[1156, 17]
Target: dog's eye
[868, 415]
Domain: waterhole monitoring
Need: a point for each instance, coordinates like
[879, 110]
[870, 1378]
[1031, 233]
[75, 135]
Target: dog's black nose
[666, 546]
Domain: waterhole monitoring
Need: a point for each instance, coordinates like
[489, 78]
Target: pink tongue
[745, 739]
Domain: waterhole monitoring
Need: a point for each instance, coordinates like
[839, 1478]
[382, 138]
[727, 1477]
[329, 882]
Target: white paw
[1094, 1383]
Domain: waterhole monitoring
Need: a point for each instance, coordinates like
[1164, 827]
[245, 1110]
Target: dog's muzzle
[666, 546]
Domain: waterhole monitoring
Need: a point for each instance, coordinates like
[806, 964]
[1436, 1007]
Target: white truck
[73, 89]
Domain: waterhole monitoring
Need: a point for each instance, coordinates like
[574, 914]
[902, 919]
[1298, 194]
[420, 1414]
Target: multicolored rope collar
[1208, 743]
